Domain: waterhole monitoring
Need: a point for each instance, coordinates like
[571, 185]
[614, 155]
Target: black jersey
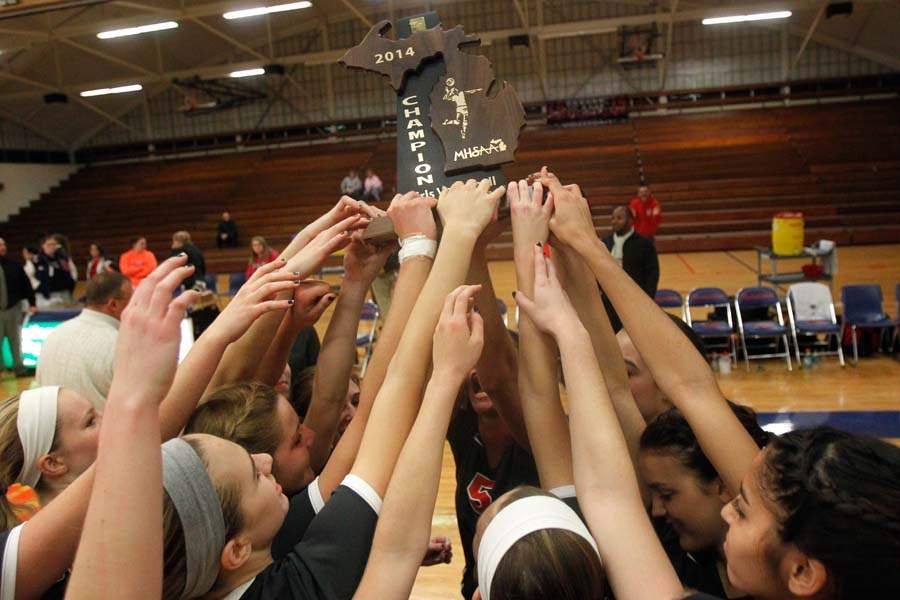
[9, 540]
[696, 570]
[478, 485]
[328, 562]
[303, 508]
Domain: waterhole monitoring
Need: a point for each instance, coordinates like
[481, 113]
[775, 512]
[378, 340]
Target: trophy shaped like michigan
[476, 119]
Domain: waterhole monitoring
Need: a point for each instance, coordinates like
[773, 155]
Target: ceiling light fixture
[122, 89]
[247, 73]
[265, 10]
[781, 14]
[117, 33]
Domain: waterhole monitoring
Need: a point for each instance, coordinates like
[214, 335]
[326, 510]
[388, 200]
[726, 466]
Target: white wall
[23, 183]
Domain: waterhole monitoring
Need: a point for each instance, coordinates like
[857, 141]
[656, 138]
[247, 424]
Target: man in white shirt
[79, 354]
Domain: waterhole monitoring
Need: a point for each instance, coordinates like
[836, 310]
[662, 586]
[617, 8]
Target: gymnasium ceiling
[51, 45]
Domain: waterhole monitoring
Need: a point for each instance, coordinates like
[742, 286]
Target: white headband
[515, 521]
[37, 427]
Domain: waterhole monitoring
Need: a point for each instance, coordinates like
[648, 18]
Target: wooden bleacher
[720, 177]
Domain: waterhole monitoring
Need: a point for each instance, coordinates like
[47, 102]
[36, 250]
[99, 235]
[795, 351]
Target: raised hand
[345, 207]
[150, 334]
[412, 214]
[459, 336]
[550, 310]
[572, 222]
[362, 261]
[256, 297]
[311, 299]
[531, 214]
[468, 207]
[370, 210]
[330, 240]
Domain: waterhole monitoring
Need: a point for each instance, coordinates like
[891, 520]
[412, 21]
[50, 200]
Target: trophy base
[380, 232]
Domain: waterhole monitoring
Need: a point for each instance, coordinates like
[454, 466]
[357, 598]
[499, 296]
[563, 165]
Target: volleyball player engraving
[445, 97]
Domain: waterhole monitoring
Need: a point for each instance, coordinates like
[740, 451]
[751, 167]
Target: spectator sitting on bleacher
[98, 263]
[138, 262]
[647, 213]
[352, 186]
[261, 253]
[227, 236]
[373, 186]
[79, 354]
[181, 242]
[54, 275]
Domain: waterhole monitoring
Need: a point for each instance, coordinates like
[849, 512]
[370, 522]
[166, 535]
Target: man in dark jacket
[14, 287]
[227, 232]
[635, 253]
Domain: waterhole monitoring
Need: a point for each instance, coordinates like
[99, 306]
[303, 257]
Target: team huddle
[203, 480]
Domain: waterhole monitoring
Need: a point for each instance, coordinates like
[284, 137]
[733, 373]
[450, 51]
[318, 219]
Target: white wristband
[417, 245]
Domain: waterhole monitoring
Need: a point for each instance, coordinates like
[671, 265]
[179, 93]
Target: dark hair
[104, 287]
[837, 498]
[136, 239]
[549, 563]
[244, 413]
[689, 333]
[671, 434]
[302, 390]
[174, 551]
[99, 248]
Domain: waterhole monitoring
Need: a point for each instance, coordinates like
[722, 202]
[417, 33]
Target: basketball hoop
[638, 55]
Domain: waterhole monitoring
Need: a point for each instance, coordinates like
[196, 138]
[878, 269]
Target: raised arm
[404, 525]
[122, 543]
[582, 289]
[410, 214]
[538, 379]
[254, 299]
[234, 365]
[677, 367]
[606, 484]
[311, 299]
[362, 263]
[498, 369]
[465, 210]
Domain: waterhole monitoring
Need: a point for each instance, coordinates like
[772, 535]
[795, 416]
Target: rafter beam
[809, 33]
[49, 88]
[32, 128]
[107, 57]
[224, 36]
[535, 58]
[664, 72]
[357, 12]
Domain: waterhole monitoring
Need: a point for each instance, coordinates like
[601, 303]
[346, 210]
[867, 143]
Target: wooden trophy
[454, 120]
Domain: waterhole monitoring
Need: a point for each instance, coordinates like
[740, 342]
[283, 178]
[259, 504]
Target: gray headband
[197, 504]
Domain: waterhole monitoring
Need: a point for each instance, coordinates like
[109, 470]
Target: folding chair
[235, 281]
[762, 297]
[211, 282]
[666, 298]
[712, 328]
[369, 315]
[811, 312]
[864, 309]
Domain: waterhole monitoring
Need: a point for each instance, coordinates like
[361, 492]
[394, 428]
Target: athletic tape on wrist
[417, 245]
